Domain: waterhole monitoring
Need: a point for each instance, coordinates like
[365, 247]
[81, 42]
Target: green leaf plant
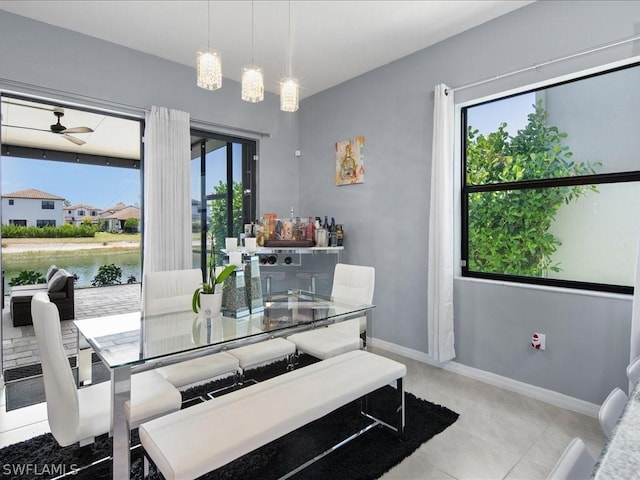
[216, 276]
[509, 229]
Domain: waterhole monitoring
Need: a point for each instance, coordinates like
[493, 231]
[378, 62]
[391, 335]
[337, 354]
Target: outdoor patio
[19, 343]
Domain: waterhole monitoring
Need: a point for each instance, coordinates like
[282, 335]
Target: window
[81, 213]
[222, 172]
[551, 186]
[18, 223]
[45, 223]
[48, 205]
[11, 201]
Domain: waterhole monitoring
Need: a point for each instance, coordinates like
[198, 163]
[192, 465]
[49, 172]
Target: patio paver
[19, 344]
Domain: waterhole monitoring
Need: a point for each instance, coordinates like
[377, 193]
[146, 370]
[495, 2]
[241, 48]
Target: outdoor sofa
[60, 289]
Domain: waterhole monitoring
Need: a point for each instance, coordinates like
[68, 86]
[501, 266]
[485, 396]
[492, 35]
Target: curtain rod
[548, 62]
[113, 106]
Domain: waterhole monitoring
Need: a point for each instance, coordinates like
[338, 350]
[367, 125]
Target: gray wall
[386, 218]
[100, 73]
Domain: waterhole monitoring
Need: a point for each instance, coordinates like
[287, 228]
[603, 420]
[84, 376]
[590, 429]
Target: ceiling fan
[57, 127]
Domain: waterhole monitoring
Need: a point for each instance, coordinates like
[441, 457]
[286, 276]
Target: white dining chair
[169, 288]
[633, 372]
[576, 463]
[79, 415]
[611, 410]
[172, 291]
[353, 283]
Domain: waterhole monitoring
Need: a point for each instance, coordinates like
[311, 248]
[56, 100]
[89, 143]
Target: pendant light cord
[290, 59]
[252, 62]
[209, 25]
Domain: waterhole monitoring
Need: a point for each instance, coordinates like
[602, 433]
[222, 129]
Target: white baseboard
[554, 398]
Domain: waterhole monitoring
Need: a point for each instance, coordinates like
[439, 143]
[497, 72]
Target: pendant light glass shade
[209, 70]
[289, 94]
[252, 84]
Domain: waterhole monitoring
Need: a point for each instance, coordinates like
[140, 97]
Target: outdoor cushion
[52, 270]
[58, 281]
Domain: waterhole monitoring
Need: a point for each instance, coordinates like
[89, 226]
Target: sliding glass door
[223, 182]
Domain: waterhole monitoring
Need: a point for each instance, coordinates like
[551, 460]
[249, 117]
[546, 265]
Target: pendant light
[289, 87]
[209, 63]
[252, 76]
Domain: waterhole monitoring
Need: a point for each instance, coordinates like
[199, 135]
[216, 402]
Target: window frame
[248, 179]
[596, 179]
[48, 205]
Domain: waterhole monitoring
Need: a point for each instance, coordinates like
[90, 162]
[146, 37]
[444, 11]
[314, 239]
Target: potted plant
[216, 276]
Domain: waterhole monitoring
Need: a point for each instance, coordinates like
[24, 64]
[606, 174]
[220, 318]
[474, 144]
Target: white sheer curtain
[167, 191]
[441, 236]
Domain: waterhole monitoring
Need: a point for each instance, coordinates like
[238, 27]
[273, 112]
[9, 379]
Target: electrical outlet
[539, 341]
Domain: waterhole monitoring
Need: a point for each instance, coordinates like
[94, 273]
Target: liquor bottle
[340, 235]
[311, 231]
[325, 225]
[333, 238]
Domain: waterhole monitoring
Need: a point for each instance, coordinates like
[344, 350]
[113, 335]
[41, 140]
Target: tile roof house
[75, 214]
[116, 217]
[32, 208]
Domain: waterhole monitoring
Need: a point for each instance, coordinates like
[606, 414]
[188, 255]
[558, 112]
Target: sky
[488, 117]
[98, 186]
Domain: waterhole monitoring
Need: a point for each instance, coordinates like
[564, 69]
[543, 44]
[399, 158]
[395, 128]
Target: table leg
[368, 334]
[84, 361]
[120, 394]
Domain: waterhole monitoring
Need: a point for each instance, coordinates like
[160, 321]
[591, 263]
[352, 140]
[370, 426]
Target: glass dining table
[139, 341]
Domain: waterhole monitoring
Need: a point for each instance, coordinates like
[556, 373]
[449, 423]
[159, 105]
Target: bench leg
[399, 411]
[291, 361]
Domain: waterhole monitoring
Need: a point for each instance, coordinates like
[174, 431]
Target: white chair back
[633, 372]
[162, 290]
[354, 283]
[611, 410]
[576, 463]
[166, 301]
[59, 385]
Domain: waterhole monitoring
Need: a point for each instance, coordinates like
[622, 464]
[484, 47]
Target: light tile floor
[499, 435]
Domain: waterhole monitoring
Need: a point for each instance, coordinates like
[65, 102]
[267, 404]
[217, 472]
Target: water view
[85, 267]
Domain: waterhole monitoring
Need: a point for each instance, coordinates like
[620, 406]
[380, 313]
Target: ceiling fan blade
[77, 130]
[75, 140]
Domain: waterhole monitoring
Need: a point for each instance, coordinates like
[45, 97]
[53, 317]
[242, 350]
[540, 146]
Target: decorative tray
[288, 243]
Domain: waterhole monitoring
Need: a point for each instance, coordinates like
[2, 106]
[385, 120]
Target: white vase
[210, 305]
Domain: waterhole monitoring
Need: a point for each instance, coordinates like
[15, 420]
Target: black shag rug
[367, 457]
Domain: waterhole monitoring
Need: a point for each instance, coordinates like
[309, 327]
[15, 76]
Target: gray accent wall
[386, 218]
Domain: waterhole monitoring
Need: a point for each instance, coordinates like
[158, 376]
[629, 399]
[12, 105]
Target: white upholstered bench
[191, 442]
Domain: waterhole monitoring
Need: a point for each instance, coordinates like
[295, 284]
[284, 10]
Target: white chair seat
[324, 343]
[199, 370]
[611, 410]
[152, 396]
[576, 463]
[263, 353]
